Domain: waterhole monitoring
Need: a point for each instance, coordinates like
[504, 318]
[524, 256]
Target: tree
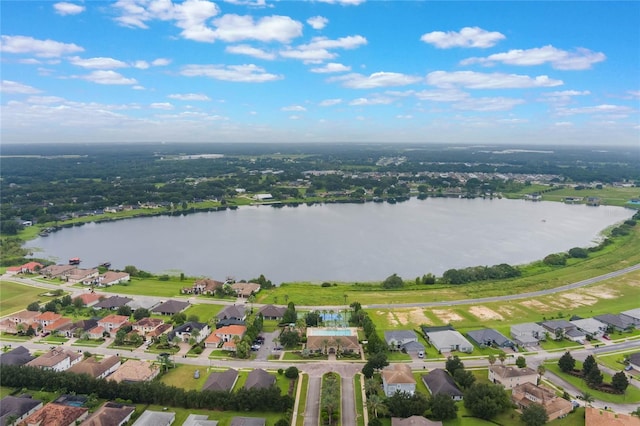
[120, 335]
[492, 359]
[193, 318]
[378, 360]
[165, 361]
[403, 404]
[588, 365]
[534, 415]
[371, 386]
[521, 362]
[368, 370]
[443, 407]
[486, 400]
[312, 319]
[566, 363]
[579, 253]
[594, 378]
[290, 316]
[291, 372]
[453, 363]
[375, 405]
[124, 310]
[619, 381]
[179, 318]
[33, 307]
[289, 339]
[541, 370]
[140, 313]
[587, 397]
[464, 378]
[393, 281]
[502, 357]
[243, 350]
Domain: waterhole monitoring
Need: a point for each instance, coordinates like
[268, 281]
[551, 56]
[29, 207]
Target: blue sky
[552, 73]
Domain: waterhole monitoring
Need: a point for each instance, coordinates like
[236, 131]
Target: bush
[325, 284]
[163, 278]
[291, 372]
[555, 260]
[280, 371]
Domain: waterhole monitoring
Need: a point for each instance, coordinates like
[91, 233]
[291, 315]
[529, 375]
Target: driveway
[267, 347]
[312, 410]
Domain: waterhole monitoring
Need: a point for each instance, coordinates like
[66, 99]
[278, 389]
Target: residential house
[110, 414]
[271, 312]
[170, 307]
[134, 371]
[204, 286]
[98, 369]
[110, 278]
[58, 415]
[46, 318]
[71, 330]
[526, 394]
[111, 323]
[510, 377]
[397, 339]
[634, 361]
[248, 421]
[155, 418]
[57, 271]
[55, 326]
[17, 408]
[228, 321]
[19, 322]
[222, 381]
[113, 302]
[488, 337]
[16, 356]
[633, 315]
[235, 312]
[440, 381]
[96, 333]
[245, 290]
[558, 329]
[225, 335]
[599, 417]
[27, 268]
[528, 334]
[332, 344]
[590, 327]
[187, 330]
[259, 379]
[414, 421]
[89, 299]
[398, 377]
[619, 322]
[199, 420]
[80, 275]
[159, 331]
[448, 341]
[57, 359]
[24, 317]
[145, 326]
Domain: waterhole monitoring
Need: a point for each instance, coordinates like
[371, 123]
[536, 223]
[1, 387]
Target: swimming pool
[323, 331]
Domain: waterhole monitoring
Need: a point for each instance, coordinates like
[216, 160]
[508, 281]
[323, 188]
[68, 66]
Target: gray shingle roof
[18, 406]
[171, 307]
[221, 380]
[439, 381]
[259, 379]
[488, 337]
[17, 356]
[248, 421]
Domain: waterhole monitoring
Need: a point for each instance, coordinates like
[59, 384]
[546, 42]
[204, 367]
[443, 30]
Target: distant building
[259, 379]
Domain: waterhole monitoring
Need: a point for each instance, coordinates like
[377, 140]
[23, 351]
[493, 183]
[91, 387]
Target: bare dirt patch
[447, 315]
[418, 317]
[485, 313]
[537, 306]
[602, 292]
[391, 318]
[510, 311]
[575, 300]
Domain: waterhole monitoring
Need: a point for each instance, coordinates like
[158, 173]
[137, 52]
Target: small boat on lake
[74, 261]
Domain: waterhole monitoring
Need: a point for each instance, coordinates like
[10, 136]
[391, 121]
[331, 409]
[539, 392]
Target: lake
[337, 242]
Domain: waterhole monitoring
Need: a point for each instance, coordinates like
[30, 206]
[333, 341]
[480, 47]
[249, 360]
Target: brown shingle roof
[398, 374]
[110, 414]
[56, 415]
[94, 367]
[134, 371]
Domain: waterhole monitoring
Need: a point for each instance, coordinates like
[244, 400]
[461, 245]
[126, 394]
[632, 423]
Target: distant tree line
[153, 392]
[479, 273]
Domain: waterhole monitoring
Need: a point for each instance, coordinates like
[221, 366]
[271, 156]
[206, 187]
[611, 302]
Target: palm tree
[251, 299]
[492, 359]
[502, 357]
[587, 398]
[541, 370]
[338, 343]
[325, 343]
[371, 385]
[375, 405]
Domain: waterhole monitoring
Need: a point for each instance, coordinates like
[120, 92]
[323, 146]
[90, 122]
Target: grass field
[15, 297]
[205, 312]
[183, 377]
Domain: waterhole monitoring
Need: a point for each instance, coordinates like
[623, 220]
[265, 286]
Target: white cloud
[606, 109]
[317, 22]
[250, 3]
[244, 49]
[487, 104]
[343, 2]
[318, 49]
[330, 102]
[97, 63]
[233, 28]
[294, 108]
[563, 96]
[107, 77]
[466, 37]
[563, 124]
[161, 105]
[40, 48]
[476, 80]
[294, 117]
[442, 95]
[8, 86]
[189, 97]
[378, 79]
[404, 117]
[376, 100]
[141, 65]
[249, 73]
[161, 62]
[580, 59]
[331, 67]
[64, 8]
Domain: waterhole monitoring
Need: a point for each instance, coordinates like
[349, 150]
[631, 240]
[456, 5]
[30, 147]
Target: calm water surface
[342, 242]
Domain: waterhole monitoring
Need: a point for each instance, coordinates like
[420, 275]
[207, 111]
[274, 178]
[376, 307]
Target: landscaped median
[330, 399]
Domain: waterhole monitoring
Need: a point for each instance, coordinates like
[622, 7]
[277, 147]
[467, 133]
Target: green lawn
[182, 376]
[223, 417]
[54, 339]
[5, 391]
[204, 311]
[302, 405]
[357, 386]
[150, 287]
[15, 296]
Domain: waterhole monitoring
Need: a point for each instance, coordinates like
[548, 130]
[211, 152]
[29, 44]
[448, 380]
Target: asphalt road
[312, 410]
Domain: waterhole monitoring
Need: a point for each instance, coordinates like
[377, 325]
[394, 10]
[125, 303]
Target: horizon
[326, 72]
